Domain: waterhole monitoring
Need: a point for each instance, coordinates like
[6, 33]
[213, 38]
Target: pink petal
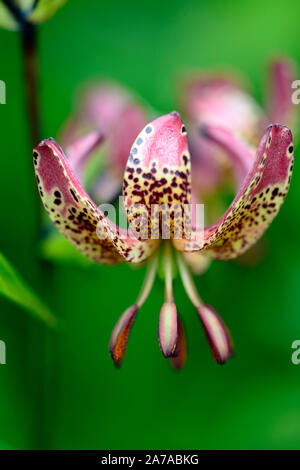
[207, 169]
[80, 150]
[104, 103]
[239, 153]
[130, 123]
[115, 112]
[167, 329]
[120, 334]
[214, 100]
[256, 203]
[220, 101]
[157, 177]
[75, 214]
[217, 334]
[107, 187]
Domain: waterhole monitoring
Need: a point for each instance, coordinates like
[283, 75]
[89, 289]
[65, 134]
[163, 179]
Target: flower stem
[30, 59]
[188, 281]
[148, 281]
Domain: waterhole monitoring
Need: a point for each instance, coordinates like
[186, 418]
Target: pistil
[167, 329]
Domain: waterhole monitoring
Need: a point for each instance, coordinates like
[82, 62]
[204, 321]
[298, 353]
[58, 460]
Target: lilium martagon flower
[217, 104]
[209, 101]
[118, 116]
[158, 172]
[212, 101]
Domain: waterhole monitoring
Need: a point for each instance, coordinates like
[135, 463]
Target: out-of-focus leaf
[7, 20]
[35, 11]
[14, 288]
[57, 249]
[45, 9]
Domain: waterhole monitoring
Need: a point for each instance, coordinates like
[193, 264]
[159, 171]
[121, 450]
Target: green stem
[30, 61]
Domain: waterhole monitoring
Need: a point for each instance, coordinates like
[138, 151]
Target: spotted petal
[256, 203]
[157, 179]
[75, 214]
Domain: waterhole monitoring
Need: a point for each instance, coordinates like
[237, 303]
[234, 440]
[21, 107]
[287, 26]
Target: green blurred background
[61, 390]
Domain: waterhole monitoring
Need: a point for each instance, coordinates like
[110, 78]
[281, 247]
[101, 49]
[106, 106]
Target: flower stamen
[148, 281]
[121, 331]
[217, 334]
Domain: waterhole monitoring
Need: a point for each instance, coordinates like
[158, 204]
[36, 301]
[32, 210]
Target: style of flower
[158, 172]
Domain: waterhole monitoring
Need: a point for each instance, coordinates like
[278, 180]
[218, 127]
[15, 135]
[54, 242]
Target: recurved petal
[99, 107]
[157, 179]
[75, 214]
[115, 112]
[81, 149]
[120, 334]
[240, 155]
[221, 101]
[107, 187]
[256, 203]
[207, 168]
[104, 103]
[178, 359]
[217, 334]
[167, 329]
[281, 107]
[129, 124]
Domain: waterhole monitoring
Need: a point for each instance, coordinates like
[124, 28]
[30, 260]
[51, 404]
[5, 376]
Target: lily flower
[158, 172]
[222, 101]
[216, 100]
[117, 116]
